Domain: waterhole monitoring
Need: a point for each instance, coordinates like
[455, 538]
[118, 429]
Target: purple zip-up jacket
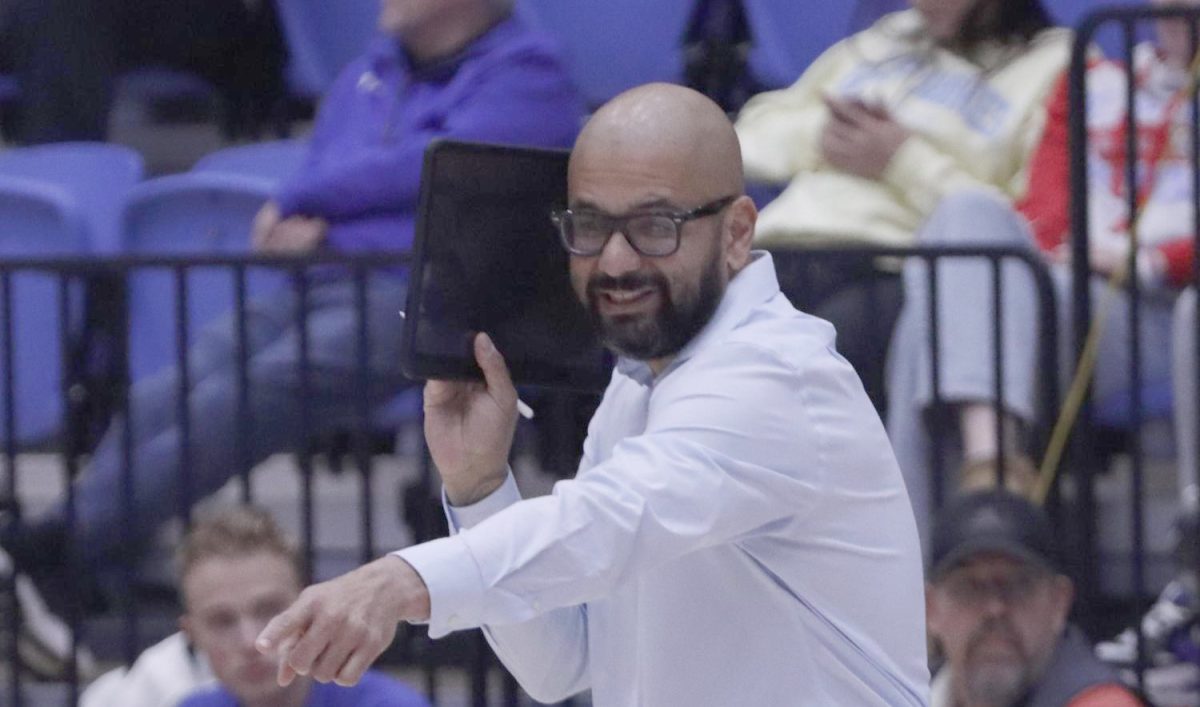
[364, 160]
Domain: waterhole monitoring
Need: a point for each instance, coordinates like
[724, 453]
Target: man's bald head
[676, 128]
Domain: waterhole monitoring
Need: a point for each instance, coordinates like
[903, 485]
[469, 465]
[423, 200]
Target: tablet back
[487, 258]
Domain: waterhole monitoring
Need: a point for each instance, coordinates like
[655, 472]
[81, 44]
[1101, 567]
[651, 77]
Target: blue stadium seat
[275, 160]
[788, 35]
[322, 36]
[613, 45]
[97, 175]
[1110, 38]
[867, 11]
[196, 213]
[42, 221]
[1115, 411]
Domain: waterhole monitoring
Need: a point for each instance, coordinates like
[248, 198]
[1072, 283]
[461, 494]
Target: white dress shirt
[737, 534]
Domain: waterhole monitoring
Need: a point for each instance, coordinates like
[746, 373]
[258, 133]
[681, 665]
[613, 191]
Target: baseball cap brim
[977, 545]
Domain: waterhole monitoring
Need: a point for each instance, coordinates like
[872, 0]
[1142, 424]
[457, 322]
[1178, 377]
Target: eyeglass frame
[1012, 591]
[559, 217]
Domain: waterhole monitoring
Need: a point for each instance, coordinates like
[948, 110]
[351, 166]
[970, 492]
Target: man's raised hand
[469, 427]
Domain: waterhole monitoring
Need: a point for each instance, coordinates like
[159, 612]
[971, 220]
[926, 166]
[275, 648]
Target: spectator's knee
[975, 217]
[1185, 309]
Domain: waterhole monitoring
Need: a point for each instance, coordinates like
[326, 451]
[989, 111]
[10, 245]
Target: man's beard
[999, 684]
[656, 334]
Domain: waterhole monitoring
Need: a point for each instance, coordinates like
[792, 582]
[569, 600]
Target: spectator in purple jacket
[464, 69]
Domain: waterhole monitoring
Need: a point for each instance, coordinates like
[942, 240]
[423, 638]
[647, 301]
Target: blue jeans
[274, 402]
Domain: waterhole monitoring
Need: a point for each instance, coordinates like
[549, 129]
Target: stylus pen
[523, 408]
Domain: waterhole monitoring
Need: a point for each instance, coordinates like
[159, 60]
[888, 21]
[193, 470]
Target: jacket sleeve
[780, 131]
[526, 99]
[328, 120]
[705, 472]
[1178, 255]
[1046, 203]
[922, 174]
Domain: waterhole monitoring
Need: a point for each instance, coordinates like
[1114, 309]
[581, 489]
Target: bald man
[737, 532]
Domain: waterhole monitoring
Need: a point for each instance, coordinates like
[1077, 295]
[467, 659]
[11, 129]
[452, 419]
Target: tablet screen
[487, 258]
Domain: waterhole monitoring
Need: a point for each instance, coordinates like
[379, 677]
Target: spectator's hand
[264, 221]
[336, 629]
[469, 427]
[295, 234]
[859, 138]
[1173, 685]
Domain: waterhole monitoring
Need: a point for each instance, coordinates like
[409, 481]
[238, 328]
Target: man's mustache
[995, 626]
[630, 281]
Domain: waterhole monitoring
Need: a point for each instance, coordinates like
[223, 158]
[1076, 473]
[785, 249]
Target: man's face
[944, 17]
[998, 620]
[401, 18]
[647, 307]
[229, 600]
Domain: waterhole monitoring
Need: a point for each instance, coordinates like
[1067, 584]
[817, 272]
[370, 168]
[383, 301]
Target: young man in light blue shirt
[737, 533]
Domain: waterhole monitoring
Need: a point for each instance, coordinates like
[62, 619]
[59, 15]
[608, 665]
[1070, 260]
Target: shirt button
[537, 605]
[452, 621]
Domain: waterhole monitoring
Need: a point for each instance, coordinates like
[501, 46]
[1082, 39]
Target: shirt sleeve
[706, 471]
[547, 654]
[385, 177]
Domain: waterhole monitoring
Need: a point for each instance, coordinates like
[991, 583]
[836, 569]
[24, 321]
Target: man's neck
[448, 38]
[658, 365]
[961, 700]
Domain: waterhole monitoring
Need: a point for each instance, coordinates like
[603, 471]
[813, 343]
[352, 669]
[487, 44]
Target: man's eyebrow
[653, 204]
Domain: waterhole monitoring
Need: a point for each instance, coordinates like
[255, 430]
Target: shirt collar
[755, 284]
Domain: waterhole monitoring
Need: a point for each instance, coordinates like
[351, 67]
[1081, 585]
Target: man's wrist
[411, 587]
[468, 495]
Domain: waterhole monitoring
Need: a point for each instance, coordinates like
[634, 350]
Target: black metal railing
[80, 383]
[1128, 21]
[1046, 329]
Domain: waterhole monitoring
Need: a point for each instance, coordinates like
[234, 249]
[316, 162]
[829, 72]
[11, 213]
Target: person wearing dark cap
[997, 605]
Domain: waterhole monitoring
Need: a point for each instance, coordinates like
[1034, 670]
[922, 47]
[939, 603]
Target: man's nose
[995, 604]
[618, 256]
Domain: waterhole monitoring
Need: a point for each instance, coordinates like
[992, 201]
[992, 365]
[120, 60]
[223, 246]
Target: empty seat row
[85, 200]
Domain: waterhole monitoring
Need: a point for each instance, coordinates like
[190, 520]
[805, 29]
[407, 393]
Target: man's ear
[1064, 595]
[933, 616]
[739, 233]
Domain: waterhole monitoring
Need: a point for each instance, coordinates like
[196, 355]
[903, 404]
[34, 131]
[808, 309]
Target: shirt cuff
[463, 517]
[453, 580]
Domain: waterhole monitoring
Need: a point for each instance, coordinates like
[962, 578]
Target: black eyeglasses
[1012, 589]
[652, 234]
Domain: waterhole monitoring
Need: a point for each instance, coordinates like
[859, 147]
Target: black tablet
[486, 257]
